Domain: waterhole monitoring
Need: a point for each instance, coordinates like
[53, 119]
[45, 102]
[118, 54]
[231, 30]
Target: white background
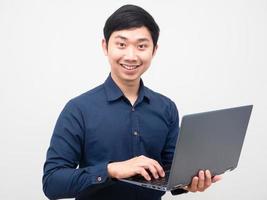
[212, 54]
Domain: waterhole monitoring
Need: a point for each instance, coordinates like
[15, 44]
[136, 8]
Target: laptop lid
[211, 140]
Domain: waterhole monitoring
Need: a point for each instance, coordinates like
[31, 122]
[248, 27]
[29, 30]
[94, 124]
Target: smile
[129, 67]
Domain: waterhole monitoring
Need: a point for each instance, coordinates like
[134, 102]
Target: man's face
[129, 53]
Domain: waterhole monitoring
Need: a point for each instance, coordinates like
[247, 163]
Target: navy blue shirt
[101, 126]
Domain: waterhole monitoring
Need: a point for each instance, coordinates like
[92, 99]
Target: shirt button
[136, 133]
[99, 179]
[133, 109]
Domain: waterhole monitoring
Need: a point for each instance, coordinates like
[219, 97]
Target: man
[120, 128]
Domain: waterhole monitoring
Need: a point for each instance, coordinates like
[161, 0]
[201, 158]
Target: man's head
[130, 43]
[131, 16]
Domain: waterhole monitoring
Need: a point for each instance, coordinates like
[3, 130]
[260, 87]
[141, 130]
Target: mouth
[129, 67]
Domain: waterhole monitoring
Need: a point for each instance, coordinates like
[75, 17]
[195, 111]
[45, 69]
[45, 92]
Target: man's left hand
[201, 182]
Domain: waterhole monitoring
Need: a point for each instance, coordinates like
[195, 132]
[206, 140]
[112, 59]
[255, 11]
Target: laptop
[210, 140]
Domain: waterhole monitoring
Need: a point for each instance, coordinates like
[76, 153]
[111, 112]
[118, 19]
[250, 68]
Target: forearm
[68, 182]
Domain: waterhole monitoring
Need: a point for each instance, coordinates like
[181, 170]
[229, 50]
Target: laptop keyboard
[163, 181]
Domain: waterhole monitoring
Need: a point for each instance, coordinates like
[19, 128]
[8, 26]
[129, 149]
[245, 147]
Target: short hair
[131, 16]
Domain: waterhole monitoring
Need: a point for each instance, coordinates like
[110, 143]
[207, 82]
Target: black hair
[131, 16]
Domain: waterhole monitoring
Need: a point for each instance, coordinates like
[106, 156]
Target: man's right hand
[134, 166]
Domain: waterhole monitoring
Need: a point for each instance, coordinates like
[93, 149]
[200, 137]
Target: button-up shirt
[101, 126]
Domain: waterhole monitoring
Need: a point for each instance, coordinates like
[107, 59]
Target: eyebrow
[139, 40]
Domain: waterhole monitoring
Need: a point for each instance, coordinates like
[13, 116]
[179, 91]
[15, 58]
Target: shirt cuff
[178, 191]
[98, 173]
[99, 179]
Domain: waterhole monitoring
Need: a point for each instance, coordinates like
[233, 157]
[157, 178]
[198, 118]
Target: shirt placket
[135, 132]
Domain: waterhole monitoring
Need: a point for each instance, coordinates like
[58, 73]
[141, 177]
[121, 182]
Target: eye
[142, 46]
[121, 44]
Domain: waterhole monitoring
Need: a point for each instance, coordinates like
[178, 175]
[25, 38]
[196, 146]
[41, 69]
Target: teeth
[130, 67]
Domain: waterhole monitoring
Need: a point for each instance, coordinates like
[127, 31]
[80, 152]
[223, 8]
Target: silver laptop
[210, 140]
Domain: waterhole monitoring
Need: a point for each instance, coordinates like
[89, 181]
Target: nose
[130, 54]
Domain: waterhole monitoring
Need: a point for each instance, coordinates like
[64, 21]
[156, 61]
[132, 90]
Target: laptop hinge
[178, 186]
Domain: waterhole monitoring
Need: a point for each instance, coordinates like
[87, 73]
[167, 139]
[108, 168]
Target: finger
[193, 185]
[158, 167]
[153, 171]
[185, 188]
[144, 173]
[216, 178]
[201, 180]
[147, 162]
[207, 178]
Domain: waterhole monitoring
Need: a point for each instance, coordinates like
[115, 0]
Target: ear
[105, 47]
[155, 50]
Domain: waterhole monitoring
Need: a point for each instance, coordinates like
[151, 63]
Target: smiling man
[120, 128]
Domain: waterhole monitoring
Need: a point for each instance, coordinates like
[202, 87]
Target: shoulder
[164, 105]
[160, 99]
[90, 97]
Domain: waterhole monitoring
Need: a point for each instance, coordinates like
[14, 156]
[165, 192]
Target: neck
[129, 88]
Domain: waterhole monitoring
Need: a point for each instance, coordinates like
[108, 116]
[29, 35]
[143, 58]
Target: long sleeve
[167, 154]
[62, 178]
[169, 147]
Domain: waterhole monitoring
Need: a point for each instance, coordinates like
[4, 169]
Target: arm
[169, 148]
[170, 143]
[61, 179]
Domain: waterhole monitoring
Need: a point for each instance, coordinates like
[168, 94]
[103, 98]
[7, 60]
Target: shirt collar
[143, 92]
[113, 92]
